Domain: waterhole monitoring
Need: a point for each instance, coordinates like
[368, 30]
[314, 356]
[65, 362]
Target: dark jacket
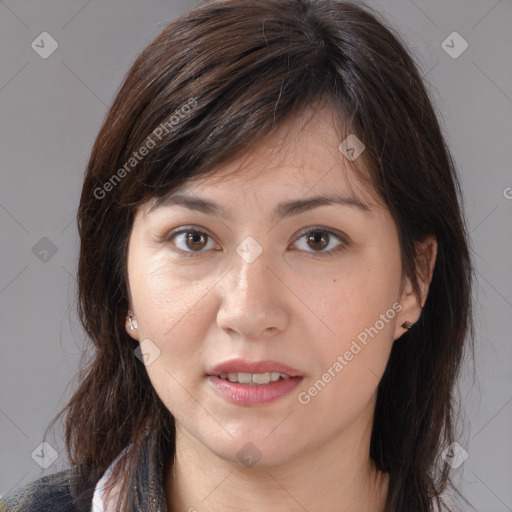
[49, 493]
[55, 493]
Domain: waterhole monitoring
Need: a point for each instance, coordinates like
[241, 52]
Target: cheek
[364, 289]
[161, 299]
[352, 361]
[173, 314]
[361, 309]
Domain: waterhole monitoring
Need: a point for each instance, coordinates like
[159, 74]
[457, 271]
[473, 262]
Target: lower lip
[256, 394]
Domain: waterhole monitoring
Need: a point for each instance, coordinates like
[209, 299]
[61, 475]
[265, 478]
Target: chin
[254, 449]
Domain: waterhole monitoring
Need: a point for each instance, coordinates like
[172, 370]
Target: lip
[241, 365]
[253, 395]
[245, 394]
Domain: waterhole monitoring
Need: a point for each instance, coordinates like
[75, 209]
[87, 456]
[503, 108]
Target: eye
[189, 241]
[324, 242]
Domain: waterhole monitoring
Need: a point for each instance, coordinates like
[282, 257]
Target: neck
[336, 477]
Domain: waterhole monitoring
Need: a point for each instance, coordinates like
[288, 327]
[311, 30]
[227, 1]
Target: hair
[216, 81]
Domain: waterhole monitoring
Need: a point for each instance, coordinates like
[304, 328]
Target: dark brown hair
[215, 82]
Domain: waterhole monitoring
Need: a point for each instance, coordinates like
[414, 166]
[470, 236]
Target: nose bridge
[250, 275]
[252, 303]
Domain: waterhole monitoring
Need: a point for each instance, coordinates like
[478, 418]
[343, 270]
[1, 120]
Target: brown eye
[321, 242]
[318, 240]
[196, 240]
[190, 241]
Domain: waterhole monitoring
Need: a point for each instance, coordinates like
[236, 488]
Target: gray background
[51, 110]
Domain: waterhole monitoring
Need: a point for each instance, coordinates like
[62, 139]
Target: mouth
[260, 372]
[252, 384]
[253, 379]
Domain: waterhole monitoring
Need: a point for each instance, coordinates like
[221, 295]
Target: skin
[291, 305]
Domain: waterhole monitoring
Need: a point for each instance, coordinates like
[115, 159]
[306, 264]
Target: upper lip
[242, 366]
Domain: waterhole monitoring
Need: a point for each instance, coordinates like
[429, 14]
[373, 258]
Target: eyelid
[187, 229]
[340, 236]
[344, 240]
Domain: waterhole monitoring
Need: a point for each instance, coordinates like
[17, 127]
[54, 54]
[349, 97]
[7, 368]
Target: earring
[407, 325]
[130, 318]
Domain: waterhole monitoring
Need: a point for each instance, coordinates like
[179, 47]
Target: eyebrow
[282, 210]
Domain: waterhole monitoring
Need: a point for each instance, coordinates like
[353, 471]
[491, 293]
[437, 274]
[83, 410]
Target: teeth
[244, 378]
[260, 378]
[253, 378]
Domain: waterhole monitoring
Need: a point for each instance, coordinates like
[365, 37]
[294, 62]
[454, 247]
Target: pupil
[193, 238]
[318, 239]
[323, 240]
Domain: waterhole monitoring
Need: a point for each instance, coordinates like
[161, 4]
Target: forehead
[307, 142]
[302, 156]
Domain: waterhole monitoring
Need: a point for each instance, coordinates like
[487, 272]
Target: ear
[426, 253]
[130, 325]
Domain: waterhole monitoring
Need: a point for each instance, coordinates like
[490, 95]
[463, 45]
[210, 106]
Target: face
[311, 294]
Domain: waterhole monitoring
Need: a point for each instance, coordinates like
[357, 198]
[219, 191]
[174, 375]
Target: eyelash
[344, 243]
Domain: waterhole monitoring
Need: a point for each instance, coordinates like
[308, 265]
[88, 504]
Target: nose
[254, 302]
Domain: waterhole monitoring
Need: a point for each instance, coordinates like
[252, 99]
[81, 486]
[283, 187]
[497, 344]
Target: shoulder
[51, 492]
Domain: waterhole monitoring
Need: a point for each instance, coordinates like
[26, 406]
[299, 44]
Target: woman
[274, 271]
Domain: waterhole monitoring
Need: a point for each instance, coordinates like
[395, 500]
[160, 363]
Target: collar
[99, 500]
[148, 492]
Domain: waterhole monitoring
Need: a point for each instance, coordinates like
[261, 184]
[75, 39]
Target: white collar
[98, 501]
